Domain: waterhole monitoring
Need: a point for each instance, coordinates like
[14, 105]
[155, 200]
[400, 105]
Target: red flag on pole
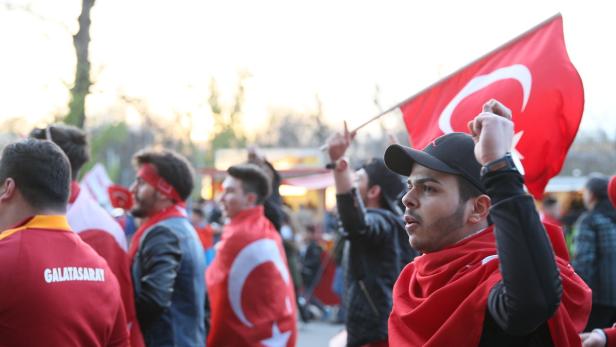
[534, 77]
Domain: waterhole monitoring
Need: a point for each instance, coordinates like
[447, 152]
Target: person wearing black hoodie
[376, 245]
[595, 252]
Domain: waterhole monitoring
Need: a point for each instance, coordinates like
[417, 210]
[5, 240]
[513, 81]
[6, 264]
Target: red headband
[148, 173]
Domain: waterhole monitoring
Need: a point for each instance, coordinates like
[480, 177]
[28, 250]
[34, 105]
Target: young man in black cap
[478, 284]
[378, 247]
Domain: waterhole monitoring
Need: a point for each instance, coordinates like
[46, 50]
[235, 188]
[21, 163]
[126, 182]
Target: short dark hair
[597, 186]
[467, 189]
[171, 166]
[390, 183]
[549, 201]
[72, 140]
[198, 212]
[254, 180]
[41, 172]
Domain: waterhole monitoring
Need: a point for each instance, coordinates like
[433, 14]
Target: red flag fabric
[439, 290]
[531, 75]
[249, 286]
[611, 190]
[323, 291]
[120, 197]
[611, 336]
[98, 229]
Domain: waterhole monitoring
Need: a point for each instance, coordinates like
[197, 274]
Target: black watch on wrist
[503, 164]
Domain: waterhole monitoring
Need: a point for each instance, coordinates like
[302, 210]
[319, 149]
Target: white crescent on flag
[517, 72]
[251, 256]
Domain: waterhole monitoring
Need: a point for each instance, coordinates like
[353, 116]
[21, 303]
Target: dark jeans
[601, 316]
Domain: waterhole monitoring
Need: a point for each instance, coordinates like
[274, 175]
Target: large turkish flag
[534, 77]
[249, 286]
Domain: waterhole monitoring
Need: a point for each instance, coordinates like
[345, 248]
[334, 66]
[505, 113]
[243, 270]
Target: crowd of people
[434, 247]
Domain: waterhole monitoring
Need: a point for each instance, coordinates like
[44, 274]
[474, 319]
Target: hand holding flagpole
[338, 143]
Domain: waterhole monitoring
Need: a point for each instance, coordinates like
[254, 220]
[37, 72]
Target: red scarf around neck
[440, 298]
[173, 211]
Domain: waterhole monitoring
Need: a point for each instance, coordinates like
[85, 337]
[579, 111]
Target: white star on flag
[278, 339]
[515, 155]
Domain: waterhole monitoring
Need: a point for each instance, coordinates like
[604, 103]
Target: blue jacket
[168, 277]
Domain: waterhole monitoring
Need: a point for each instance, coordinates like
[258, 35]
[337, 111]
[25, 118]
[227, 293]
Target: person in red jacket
[250, 290]
[90, 221]
[55, 290]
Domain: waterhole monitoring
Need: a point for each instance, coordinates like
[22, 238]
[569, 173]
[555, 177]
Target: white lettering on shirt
[73, 273]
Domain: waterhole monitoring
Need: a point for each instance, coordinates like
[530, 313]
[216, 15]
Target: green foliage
[227, 132]
[102, 142]
[76, 115]
[81, 87]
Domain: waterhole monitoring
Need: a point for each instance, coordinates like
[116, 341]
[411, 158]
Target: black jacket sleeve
[357, 223]
[530, 290]
[160, 258]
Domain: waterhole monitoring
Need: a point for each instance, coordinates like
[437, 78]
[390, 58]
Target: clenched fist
[492, 131]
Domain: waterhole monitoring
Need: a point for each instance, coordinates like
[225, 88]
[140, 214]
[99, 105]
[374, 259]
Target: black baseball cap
[453, 153]
[390, 183]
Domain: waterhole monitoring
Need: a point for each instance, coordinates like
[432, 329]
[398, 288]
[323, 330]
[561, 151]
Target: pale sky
[166, 52]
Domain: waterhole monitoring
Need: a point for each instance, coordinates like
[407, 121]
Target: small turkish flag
[533, 76]
[120, 197]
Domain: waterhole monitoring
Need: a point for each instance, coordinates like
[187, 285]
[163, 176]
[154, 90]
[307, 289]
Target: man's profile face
[197, 220]
[434, 215]
[233, 198]
[144, 197]
[587, 198]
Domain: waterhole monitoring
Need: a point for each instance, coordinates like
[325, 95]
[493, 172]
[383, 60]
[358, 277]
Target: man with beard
[166, 254]
[90, 221]
[478, 283]
[55, 290]
[377, 248]
[249, 286]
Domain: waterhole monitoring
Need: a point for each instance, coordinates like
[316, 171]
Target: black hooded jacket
[377, 250]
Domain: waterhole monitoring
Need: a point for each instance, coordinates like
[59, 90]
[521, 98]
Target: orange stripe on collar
[48, 222]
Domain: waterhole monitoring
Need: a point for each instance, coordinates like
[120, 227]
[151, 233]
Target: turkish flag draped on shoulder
[533, 76]
[250, 290]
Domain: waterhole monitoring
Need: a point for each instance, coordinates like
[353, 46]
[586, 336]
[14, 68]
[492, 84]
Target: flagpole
[508, 43]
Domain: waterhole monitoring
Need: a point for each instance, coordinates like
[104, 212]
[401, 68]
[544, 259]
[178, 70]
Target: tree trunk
[81, 87]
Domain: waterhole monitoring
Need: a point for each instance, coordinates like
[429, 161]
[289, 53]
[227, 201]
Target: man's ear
[251, 198]
[480, 208]
[8, 189]
[161, 197]
[373, 192]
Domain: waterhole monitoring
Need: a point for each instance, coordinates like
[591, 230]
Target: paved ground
[317, 334]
